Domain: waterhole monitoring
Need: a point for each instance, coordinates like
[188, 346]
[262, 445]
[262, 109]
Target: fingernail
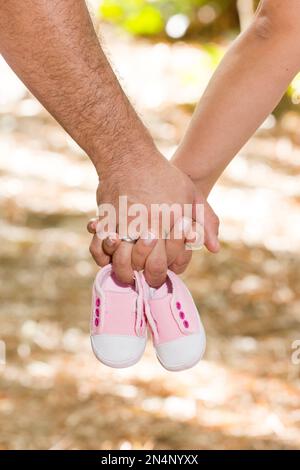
[148, 238]
[185, 225]
[193, 237]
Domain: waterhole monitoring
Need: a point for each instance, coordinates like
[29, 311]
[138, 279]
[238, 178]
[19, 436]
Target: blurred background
[246, 392]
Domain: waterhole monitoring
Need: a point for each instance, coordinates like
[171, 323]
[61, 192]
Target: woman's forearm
[246, 87]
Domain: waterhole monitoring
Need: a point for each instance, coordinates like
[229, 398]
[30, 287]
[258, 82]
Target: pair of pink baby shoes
[121, 316]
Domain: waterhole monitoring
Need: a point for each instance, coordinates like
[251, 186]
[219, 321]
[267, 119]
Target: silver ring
[128, 239]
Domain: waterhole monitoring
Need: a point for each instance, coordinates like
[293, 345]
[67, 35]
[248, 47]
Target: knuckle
[217, 221]
[178, 268]
[102, 262]
[106, 248]
[181, 263]
[99, 257]
[92, 249]
[183, 259]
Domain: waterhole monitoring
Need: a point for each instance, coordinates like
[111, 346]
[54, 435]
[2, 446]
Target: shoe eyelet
[178, 305]
[182, 315]
[186, 324]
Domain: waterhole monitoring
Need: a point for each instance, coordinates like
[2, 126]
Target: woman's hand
[153, 181]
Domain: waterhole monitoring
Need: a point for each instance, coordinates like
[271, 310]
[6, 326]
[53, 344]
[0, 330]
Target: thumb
[211, 229]
[210, 224]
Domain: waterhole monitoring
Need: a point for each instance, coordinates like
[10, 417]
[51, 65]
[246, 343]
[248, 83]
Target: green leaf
[147, 21]
[111, 10]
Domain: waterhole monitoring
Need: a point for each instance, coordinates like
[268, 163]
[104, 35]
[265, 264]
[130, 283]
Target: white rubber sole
[169, 365]
[117, 364]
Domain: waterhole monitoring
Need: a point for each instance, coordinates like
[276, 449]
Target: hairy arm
[245, 88]
[53, 48]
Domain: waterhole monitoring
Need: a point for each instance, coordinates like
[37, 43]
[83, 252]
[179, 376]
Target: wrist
[142, 155]
[201, 174]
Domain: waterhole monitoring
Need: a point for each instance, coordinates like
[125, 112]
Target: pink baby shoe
[118, 327]
[177, 331]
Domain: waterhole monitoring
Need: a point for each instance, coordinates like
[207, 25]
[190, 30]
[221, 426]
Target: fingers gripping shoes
[118, 328]
[178, 334]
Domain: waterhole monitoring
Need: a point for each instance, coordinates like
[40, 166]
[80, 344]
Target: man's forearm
[53, 48]
[245, 88]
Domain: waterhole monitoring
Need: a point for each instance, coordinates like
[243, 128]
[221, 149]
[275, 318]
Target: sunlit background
[246, 392]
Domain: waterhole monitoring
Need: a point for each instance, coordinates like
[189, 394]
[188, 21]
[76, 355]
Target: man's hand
[152, 181]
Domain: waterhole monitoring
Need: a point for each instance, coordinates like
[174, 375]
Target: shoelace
[139, 305]
[148, 313]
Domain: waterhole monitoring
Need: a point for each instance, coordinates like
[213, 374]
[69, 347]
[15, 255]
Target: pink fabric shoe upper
[116, 309]
[170, 312]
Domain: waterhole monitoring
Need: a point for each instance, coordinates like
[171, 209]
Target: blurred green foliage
[151, 17]
[177, 19]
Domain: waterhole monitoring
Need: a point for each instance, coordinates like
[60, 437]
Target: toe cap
[118, 350]
[182, 353]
